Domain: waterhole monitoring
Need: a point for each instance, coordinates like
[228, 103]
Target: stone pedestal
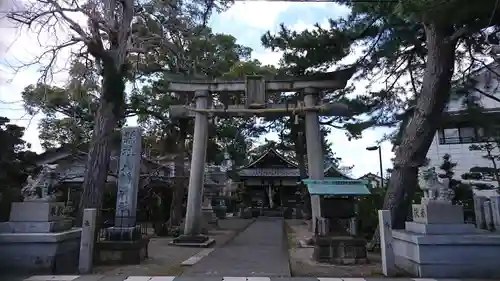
[438, 244]
[122, 252]
[438, 213]
[122, 245]
[38, 239]
[340, 250]
[116, 233]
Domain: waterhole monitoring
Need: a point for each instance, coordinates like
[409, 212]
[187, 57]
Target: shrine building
[273, 180]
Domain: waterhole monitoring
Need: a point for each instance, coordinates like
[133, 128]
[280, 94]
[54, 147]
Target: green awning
[337, 186]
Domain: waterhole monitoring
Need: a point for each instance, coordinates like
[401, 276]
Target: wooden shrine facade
[273, 180]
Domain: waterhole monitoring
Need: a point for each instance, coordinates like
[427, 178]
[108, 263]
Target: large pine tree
[413, 47]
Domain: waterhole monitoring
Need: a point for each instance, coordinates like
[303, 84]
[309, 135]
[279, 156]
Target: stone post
[479, 211]
[387, 251]
[197, 172]
[87, 241]
[495, 211]
[488, 215]
[314, 150]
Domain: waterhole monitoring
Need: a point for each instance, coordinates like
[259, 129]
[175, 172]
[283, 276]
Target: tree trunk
[421, 129]
[108, 114]
[176, 210]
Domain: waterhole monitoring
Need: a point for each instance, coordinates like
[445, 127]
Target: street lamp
[379, 148]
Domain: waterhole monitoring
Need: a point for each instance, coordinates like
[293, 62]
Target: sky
[247, 21]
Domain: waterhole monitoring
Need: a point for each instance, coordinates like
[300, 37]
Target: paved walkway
[164, 259]
[194, 278]
[260, 250]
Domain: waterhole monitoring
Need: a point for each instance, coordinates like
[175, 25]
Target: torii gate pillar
[314, 149]
[192, 225]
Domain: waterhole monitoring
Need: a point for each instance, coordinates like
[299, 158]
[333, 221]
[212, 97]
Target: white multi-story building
[457, 132]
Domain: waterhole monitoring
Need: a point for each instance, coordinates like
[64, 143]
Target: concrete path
[260, 250]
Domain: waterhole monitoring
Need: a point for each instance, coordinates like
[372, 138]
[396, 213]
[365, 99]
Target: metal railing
[473, 139]
[459, 140]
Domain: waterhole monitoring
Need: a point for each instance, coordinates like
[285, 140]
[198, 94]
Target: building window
[460, 135]
[467, 135]
[449, 136]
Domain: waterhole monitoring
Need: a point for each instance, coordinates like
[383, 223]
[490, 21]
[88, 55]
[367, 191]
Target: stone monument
[128, 185]
[124, 243]
[38, 237]
[438, 244]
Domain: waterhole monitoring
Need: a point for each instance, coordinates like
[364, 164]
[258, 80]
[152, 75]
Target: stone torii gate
[256, 89]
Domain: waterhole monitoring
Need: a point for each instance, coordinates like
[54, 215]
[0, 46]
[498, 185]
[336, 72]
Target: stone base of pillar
[116, 233]
[202, 241]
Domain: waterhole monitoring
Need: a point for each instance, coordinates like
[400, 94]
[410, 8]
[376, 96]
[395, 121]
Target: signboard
[335, 181]
[269, 172]
[337, 186]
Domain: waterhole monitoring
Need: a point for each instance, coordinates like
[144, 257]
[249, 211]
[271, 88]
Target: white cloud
[301, 25]
[257, 14]
[262, 14]
[12, 106]
[268, 57]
